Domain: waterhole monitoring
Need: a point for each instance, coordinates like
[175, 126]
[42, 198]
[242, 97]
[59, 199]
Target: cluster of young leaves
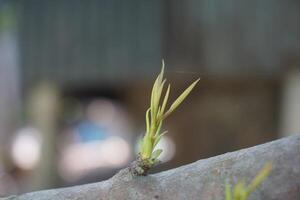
[155, 116]
[241, 191]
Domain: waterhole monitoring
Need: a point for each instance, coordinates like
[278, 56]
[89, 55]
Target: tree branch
[203, 180]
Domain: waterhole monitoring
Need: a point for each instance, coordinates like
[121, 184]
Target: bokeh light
[26, 148]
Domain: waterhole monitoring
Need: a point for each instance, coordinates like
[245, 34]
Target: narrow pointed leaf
[158, 128]
[239, 190]
[228, 191]
[162, 70]
[158, 96]
[147, 120]
[180, 99]
[165, 100]
[158, 111]
[153, 97]
[260, 177]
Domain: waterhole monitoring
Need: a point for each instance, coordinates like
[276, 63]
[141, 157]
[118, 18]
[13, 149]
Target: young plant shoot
[241, 191]
[155, 116]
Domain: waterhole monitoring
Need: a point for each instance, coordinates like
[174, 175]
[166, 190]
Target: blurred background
[76, 76]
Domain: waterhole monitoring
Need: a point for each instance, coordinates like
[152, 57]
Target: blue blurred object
[89, 132]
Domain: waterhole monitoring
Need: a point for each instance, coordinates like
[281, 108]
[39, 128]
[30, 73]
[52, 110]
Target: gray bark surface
[201, 180]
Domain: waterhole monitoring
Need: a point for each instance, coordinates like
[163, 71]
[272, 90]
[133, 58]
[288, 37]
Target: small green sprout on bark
[241, 191]
[155, 115]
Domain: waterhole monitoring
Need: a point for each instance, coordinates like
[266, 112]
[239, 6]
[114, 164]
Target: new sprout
[156, 114]
[241, 191]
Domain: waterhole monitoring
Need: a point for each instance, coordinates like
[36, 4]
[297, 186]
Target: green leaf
[162, 70]
[228, 191]
[180, 99]
[260, 177]
[156, 93]
[158, 138]
[158, 96]
[147, 120]
[163, 107]
[146, 147]
[240, 191]
[156, 154]
[153, 97]
[158, 112]
[158, 129]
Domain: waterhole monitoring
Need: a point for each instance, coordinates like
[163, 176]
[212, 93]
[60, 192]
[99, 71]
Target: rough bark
[203, 179]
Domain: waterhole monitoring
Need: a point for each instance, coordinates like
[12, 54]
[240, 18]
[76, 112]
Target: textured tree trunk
[203, 179]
